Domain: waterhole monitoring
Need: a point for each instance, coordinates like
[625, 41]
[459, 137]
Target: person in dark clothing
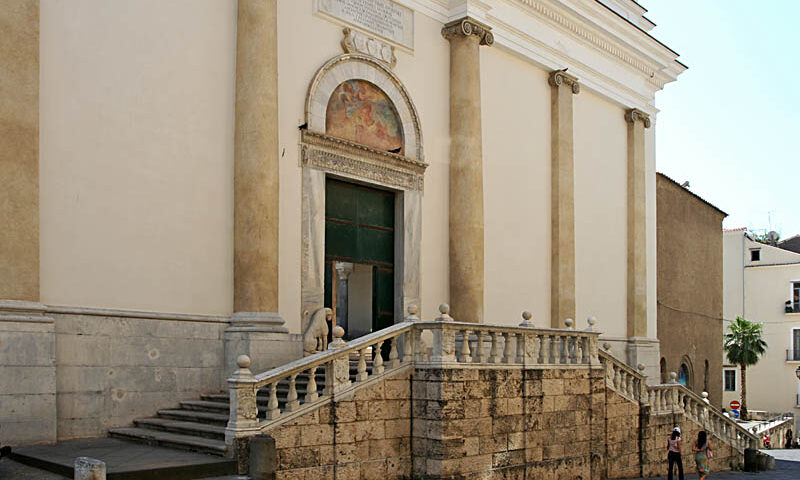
[789, 437]
[674, 452]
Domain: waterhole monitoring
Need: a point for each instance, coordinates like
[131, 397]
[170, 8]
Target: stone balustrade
[438, 343]
[667, 399]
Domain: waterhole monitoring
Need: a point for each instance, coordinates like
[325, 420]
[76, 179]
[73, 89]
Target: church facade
[187, 182]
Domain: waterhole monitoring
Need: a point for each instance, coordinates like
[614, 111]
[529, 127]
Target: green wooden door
[359, 229]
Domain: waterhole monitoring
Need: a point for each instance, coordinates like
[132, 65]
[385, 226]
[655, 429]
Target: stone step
[204, 406]
[195, 416]
[173, 440]
[197, 429]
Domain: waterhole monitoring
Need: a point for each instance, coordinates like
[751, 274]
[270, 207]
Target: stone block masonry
[465, 422]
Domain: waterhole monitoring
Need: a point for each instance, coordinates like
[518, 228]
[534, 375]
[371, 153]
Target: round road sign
[735, 405]
[735, 414]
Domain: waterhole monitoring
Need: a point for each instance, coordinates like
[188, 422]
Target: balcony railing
[790, 307]
[793, 356]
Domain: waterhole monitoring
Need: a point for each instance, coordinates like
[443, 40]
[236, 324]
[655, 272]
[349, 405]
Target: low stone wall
[27, 381]
[363, 435]
[479, 422]
[112, 369]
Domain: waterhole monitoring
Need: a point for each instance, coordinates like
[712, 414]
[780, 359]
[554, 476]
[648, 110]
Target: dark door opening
[359, 256]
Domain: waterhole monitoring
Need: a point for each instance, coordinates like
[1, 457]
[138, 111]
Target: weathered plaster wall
[112, 369]
[600, 206]
[516, 169]
[137, 154]
[690, 286]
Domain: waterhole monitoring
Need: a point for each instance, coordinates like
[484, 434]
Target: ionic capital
[561, 77]
[466, 27]
[634, 114]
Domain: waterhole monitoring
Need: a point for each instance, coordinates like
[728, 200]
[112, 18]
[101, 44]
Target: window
[730, 380]
[794, 353]
[796, 296]
[683, 375]
[755, 255]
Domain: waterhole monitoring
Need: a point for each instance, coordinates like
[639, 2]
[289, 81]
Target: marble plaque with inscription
[384, 18]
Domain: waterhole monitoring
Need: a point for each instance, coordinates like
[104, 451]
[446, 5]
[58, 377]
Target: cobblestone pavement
[787, 467]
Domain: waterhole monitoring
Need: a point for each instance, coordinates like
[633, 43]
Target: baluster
[311, 389]
[493, 358]
[536, 345]
[361, 373]
[419, 347]
[617, 377]
[408, 346]
[377, 360]
[573, 349]
[586, 350]
[507, 358]
[393, 361]
[629, 383]
[465, 355]
[479, 358]
[579, 357]
[291, 398]
[273, 411]
[522, 339]
[547, 355]
[542, 349]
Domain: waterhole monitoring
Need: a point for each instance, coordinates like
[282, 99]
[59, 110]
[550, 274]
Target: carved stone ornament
[466, 27]
[634, 114]
[339, 156]
[357, 42]
[561, 77]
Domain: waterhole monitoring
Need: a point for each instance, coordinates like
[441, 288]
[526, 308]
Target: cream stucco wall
[305, 42]
[515, 100]
[600, 213]
[771, 384]
[136, 157]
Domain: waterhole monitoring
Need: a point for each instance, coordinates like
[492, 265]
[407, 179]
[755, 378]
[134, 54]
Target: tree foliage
[744, 343]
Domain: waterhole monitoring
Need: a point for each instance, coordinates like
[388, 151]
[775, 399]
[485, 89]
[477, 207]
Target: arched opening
[686, 373]
[663, 364]
[705, 376]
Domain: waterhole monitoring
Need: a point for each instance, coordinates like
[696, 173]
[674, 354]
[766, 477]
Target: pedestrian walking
[702, 453]
[789, 437]
[674, 452]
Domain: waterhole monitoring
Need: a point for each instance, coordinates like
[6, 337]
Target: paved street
[787, 467]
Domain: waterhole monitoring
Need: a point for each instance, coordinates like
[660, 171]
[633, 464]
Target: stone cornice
[634, 114]
[466, 27]
[560, 77]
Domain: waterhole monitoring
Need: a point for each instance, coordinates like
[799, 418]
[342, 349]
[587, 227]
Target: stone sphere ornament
[569, 322]
[526, 319]
[243, 361]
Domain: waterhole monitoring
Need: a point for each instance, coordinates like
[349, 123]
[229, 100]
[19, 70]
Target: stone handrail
[452, 343]
[671, 397]
[667, 398]
[624, 379]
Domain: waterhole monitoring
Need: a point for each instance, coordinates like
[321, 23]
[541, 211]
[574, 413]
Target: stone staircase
[199, 425]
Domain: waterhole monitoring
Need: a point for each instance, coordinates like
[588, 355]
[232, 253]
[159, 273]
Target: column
[28, 335]
[19, 151]
[466, 168]
[255, 269]
[637, 217]
[256, 329]
[562, 283]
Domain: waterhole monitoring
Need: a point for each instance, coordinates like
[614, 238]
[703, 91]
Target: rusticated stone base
[487, 423]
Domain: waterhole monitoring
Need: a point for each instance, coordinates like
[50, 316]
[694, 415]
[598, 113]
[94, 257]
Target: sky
[730, 124]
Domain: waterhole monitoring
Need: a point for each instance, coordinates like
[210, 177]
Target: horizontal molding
[109, 312]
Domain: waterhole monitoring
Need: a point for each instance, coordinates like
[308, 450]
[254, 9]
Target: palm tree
[743, 346]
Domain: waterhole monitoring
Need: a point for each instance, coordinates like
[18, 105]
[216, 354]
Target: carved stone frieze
[561, 77]
[634, 114]
[357, 42]
[466, 27]
[336, 155]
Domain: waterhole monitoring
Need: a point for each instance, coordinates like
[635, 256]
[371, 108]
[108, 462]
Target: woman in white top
[674, 452]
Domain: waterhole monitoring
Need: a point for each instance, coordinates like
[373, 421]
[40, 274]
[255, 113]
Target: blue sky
[730, 125]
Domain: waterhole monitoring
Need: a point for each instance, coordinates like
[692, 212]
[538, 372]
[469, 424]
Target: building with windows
[762, 284]
[689, 243]
[183, 188]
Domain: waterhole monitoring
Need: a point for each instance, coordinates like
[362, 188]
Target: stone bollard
[750, 460]
[89, 469]
[770, 462]
[263, 458]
